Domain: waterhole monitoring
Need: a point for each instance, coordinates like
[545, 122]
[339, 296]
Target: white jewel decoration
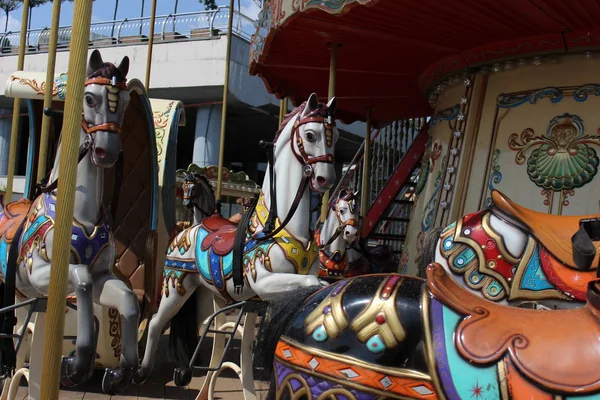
[496, 67]
[537, 61]
[313, 363]
[287, 353]
[588, 55]
[74, 236]
[457, 134]
[451, 170]
[422, 390]
[349, 373]
[386, 382]
[464, 100]
[443, 204]
[454, 151]
[447, 186]
[467, 231]
[460, 116]
[467, 82]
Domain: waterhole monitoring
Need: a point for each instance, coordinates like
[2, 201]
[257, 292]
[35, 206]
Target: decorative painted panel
[549, 162]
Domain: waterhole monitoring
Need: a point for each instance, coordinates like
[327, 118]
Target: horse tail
[183, 338]
[276, 320]
[429, 247]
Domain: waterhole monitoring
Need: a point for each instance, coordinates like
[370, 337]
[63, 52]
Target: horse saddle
[14, 213]
[554, 232]
[556, 349]
[221, 234]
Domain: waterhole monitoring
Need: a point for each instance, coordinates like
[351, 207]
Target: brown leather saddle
[557, 349]
[554, 232]
[221, 236]
[14, 213]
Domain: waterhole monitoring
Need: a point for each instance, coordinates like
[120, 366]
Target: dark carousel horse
[391, 336]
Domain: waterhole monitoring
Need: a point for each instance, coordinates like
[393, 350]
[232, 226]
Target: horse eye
[89, 100]
[310, 136]
[342, 212]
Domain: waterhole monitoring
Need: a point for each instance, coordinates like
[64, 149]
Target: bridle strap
[107, 126]
[106, 82]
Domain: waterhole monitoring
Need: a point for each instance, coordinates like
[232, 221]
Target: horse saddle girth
[554, 232]
[556, 349]
[13, 214]
[221, 236]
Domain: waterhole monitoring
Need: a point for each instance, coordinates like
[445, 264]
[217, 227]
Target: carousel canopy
[393, 52]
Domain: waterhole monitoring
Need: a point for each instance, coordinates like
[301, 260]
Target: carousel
[486, 182]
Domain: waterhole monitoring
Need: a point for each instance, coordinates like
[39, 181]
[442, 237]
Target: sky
[103, 10]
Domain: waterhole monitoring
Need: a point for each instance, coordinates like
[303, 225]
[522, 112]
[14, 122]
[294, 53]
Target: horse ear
[355, 194]
[311, 105]
[331, 106]
[95, 62]
[124, 66]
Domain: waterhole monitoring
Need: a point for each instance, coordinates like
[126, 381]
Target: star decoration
[476, 390]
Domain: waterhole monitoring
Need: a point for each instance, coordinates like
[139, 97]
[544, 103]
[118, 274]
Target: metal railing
[199, 25]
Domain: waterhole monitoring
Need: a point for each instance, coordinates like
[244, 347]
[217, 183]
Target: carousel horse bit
[396, 337]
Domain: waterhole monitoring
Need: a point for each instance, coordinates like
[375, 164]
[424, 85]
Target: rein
[320, 115]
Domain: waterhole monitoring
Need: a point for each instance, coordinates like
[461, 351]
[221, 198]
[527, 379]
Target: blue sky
[103, 11]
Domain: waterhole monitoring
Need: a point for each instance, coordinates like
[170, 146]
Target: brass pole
[57, 293]
[283, 107]
[330, 94]
[366, 170]
[150, 45]
[14, 132]
[47, 120]
[224, 106]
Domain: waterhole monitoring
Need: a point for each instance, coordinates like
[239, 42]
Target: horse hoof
[140, 377]
[70, 376]
[117, 380]
[182, 376]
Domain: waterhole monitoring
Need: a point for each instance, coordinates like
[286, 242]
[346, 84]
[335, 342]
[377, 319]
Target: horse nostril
[321, 181]
[100, 152]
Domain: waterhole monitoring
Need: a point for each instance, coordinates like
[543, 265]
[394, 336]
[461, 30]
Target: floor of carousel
[160, 384]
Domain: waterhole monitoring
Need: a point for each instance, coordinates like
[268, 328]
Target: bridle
[111, 127]
[341, 224]
[322, 114]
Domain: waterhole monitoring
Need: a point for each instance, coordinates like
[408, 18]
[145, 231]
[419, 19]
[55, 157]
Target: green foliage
[9, 5]
[209, 4]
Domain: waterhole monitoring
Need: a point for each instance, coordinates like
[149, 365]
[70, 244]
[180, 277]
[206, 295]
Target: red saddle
[14, 214]
[221, 236]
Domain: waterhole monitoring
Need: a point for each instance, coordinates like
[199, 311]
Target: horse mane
[208, 198]
[287, 118]
[108, 70]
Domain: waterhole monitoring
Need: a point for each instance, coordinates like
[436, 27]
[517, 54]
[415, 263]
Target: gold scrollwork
[329, 314]
[286, 386]
[175, 278]
[380, 316]
[114, 330]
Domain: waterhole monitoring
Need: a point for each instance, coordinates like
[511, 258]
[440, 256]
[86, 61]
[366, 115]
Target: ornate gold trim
[369, 322]
[114, 330]
[518, 294]
[428, 339]
[304, 391]
[502, 380]
[487, 227]
[397, 372]
[334, 321]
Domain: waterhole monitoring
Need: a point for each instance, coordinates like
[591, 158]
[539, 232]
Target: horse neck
[205, 201]
[198, 216]
[288, 177]
[88, 191]
[328, 229]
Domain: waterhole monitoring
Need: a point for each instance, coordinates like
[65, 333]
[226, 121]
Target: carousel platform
[160, 384]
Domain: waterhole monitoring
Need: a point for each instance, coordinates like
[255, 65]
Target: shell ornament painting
[561, 161]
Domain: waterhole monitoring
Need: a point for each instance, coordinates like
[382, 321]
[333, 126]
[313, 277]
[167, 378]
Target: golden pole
[12, 152]
[150, 45]
[330, 94]
[364, 190]
[283, 107]
[47, 119]
[224, 106]
[57, 293]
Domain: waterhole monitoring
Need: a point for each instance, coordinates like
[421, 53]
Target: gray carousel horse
[27, 231]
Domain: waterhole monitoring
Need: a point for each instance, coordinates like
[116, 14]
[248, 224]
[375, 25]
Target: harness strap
[238, 248]
[8, 319]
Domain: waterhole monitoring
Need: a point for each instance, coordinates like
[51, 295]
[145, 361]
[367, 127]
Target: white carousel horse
[513, 256]
[27, 231]
[198, 196]
[274, 262]
[339, 255]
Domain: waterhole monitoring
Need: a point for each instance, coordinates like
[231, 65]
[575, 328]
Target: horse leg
[112, 292]
[79, 367]
[170, 303]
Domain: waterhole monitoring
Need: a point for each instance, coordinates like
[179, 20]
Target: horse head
[312, 137]
[190, 190]
[104, 103]
[346, 213]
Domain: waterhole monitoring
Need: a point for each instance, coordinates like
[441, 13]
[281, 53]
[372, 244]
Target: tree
[8, 6]
[209, 4]
[112, 32]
